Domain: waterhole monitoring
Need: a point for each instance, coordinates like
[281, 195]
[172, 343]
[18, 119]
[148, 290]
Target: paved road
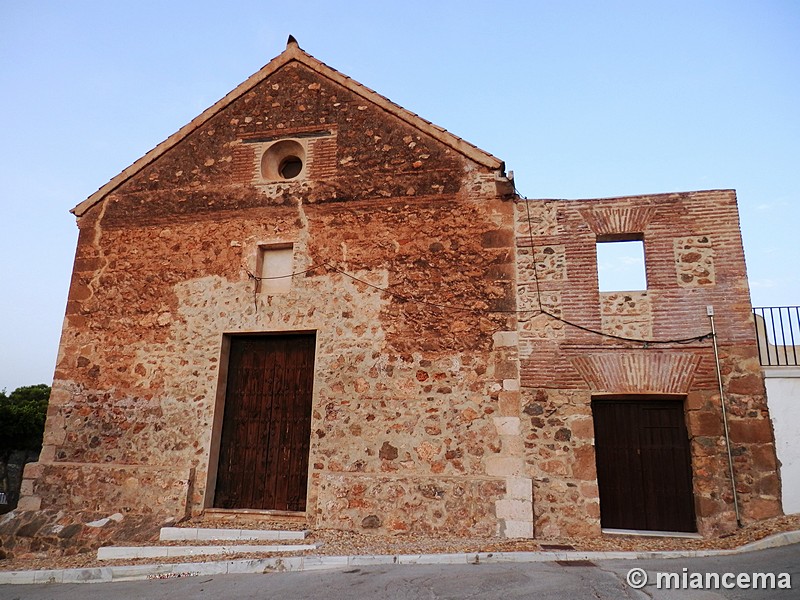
[545, 581]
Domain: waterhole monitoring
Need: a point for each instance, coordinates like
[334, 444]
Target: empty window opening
[275, 264]
[620, 264]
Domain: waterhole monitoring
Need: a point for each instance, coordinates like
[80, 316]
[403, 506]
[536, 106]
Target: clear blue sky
[581, 99]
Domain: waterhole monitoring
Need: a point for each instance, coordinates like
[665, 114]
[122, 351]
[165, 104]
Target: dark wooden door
[643, 464]
[266, 430]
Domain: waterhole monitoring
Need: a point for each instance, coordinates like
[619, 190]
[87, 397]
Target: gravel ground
[338, 543]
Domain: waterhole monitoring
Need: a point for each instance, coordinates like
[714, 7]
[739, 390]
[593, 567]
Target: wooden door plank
[618, 462]
[643, 464]
[667, 467]
[265, 439]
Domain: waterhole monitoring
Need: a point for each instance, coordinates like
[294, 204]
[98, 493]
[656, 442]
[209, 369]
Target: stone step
[129, 552]
[211, 534]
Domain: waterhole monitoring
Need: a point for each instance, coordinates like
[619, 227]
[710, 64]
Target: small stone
[469, 415]
[371, 522]
[431, 491]
[691, 257]
[533, 409]
[563, 435]
[387, 451]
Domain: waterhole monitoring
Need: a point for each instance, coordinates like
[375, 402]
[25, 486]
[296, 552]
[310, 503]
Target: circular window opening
[283, 160]
[290, 167]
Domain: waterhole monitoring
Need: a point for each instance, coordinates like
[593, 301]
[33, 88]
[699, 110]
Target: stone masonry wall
[694, 258]
[452, 389]
[407, 423]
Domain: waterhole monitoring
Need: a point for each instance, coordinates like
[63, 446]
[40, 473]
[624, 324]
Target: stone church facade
[312, 303]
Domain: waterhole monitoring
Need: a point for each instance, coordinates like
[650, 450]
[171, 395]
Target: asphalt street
[595, 581]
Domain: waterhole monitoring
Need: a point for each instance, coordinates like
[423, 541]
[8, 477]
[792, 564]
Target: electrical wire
[297, 274]
[478, 311]
[576, 325]
[542, 311]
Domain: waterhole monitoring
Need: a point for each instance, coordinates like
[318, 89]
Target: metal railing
[778, 335]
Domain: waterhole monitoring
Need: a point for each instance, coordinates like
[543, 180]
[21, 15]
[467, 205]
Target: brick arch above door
[642, 372]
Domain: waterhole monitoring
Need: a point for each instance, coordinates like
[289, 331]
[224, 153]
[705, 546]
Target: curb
[315, 563]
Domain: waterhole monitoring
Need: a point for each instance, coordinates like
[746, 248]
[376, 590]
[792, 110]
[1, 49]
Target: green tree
[22, 416]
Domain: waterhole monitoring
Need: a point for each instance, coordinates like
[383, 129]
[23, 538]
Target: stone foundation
[47, 533]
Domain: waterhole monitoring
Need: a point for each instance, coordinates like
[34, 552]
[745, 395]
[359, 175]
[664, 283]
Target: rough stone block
[696, 400]
[505, 339]
[507, 425]
[515, 510]
[582, 428]
[26, 489]
[518, 529]
[48, 453]
[761, 508]
[32, 470]
[29, 503]
[764, 457]
[509, 403]
[584, 466]
[519, 488]
[114, 487]
[749, 384]
[512, 445]
[505, 369]
[704, 423]
[504, 466]
[750, 431]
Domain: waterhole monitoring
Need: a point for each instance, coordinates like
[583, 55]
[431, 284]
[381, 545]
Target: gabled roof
[293, 52]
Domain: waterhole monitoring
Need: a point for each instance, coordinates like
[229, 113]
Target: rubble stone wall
[694, 259]
[452, 388]
[407, 429]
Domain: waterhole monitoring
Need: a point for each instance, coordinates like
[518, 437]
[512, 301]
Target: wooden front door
[266, 430]
[643, 464]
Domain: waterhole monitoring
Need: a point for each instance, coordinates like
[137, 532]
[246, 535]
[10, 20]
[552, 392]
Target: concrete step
[211, 534]
[129, 552]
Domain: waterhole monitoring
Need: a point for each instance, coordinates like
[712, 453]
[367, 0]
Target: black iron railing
[778, 335]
